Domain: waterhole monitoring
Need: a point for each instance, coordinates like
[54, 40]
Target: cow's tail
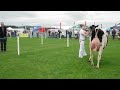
[106, 42]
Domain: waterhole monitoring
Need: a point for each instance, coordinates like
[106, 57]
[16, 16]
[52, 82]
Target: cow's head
[96, 31]
[93, 27]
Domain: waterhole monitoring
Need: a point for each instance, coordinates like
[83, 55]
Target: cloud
[53, 18]
[16, 14]
[77, 15]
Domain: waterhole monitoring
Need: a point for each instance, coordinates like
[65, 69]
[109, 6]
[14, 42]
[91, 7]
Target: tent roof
[9, 28]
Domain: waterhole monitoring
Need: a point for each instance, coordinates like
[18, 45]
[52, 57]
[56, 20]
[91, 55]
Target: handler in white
[82, 36]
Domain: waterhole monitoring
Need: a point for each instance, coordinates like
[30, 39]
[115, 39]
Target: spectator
[66, 33]
[119, 34]
[32, 33]
[59, 33]
[15, 33]
[70, 34]
[37, 34]
[3, 32]
[49, 32]
[113, 33]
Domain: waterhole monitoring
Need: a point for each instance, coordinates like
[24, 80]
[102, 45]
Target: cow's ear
[96, 26]
[90, 27]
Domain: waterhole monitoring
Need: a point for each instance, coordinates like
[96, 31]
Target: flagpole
[101, 26]
[60, 30]
[60, 25]
[73, 29]
[85, 23]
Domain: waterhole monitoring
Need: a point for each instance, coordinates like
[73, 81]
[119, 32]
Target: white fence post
[18, 46]
[67, 40]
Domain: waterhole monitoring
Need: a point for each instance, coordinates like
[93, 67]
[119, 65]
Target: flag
[41, 29]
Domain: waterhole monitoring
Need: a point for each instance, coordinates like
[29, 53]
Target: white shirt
[82, 37]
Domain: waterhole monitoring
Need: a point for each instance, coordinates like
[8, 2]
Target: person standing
[49, 33]
[66, 33]
[119, 34]
[37, 34]
[3, 35]
[113, 33]
[83, 33]
[15, 33]
[32, 33]
[59, 33]
[70, 34]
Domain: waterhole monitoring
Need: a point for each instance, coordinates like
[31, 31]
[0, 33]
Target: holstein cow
[98, 42]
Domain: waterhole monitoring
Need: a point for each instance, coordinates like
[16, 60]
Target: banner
[23, 35]
[41, 29]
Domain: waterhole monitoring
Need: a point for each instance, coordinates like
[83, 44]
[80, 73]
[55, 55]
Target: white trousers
[82, 51]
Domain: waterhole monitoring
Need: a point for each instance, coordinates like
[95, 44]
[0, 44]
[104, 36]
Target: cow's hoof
[97, 67]
[92, 64]
[89, 60]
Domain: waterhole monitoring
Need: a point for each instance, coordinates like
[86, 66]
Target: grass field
[54, 60]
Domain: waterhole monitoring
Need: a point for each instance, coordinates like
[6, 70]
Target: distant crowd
[12, 33]
[59, 33]
[114, 34]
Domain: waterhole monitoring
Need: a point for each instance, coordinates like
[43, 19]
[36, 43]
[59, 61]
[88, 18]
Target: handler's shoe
[85, 55]
[80, 56]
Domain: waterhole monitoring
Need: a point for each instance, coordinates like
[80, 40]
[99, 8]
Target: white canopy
[9, 28]
[53, 30]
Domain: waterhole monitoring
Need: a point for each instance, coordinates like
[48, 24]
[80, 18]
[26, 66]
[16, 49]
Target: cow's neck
[96, 34]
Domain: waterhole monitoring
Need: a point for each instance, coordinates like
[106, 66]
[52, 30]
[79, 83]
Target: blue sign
[36, 28]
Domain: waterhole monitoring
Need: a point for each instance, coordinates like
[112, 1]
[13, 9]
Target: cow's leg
[90, 56]
[99, 56]
[92, 63]
[90, 53]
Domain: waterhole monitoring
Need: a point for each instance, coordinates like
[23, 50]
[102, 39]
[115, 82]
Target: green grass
[54, 60]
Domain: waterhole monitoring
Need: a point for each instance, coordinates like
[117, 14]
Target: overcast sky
[53, 18]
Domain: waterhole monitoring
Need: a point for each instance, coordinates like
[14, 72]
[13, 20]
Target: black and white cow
[98, 42]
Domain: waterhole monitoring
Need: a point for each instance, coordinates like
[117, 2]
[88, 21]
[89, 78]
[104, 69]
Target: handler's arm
[85, 33]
